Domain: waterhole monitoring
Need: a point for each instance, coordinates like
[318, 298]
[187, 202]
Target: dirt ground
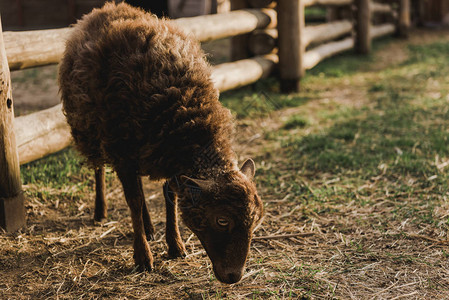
[62, 254]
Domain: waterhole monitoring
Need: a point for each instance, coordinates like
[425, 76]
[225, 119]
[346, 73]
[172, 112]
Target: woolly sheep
[137, 94]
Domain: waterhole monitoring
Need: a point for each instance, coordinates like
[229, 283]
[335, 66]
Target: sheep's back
[137, 91]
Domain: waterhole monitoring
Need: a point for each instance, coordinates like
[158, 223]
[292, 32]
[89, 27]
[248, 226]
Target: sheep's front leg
[175, 244]
[101, 207]
[132, 187]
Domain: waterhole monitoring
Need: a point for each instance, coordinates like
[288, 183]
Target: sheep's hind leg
[149, 228]
[132, 186]
[101, 207]
[175, 244]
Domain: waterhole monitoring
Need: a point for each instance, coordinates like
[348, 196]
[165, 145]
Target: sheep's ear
[196, 183]
[248, 168]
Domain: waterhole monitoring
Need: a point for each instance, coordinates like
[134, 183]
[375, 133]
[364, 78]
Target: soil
[61, 253]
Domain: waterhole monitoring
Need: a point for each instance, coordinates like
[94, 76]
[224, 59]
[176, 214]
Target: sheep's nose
[229, 277]
[233, 277]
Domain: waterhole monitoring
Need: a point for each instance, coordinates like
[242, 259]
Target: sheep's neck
[211, 162]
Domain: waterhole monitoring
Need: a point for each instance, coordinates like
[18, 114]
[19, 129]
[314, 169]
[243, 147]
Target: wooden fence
[275, 32]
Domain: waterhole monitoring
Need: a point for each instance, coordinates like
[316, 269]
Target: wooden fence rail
[316, 55]
[291, 46]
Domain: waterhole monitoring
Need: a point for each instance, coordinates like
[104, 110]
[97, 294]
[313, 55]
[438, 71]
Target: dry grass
[329, 231]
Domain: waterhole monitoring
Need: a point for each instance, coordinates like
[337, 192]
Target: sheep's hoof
[174, 252]
[100, 214]
[99, 220]
[142, 265]
[143, 268]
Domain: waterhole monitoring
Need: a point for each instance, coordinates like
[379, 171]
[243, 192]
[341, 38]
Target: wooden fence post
[239, 44]
[12, 209]
[362, 41]
[291, 26]
[404, 18]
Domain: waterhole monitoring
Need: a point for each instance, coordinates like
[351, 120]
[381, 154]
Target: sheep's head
[223, 213]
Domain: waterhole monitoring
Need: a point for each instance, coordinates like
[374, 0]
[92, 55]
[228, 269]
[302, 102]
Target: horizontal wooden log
[381, 8]
[327, 2]
[41, 133]
[263, 41]
[214, 27]
[26, 49]
[42, 47]
[45, 132]
[327, 31]
[382, 30]
[232, 75]
[316, 55]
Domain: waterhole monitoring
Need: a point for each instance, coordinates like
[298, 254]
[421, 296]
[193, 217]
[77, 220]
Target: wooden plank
[12, 209]
[291, 26]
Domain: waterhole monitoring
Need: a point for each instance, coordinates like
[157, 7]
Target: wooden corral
[291, 45]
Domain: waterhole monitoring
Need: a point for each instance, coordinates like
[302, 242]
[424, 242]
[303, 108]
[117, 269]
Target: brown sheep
[138, 96]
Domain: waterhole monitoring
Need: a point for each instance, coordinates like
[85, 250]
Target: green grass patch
[296, 122]
[57, 170]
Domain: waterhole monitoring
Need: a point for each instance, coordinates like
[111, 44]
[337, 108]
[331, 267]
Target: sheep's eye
[222, 222]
